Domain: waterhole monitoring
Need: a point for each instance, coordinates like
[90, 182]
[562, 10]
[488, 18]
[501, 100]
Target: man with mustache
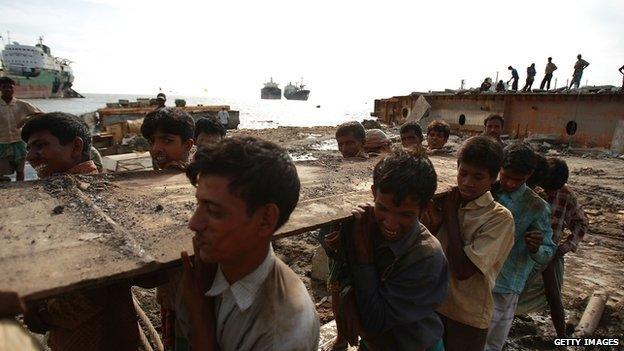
[237, 294]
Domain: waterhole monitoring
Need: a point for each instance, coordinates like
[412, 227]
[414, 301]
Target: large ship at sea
[296, 92]
[37, 74]
[271, 90]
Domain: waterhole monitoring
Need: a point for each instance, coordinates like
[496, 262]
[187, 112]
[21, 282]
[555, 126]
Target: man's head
[161, 98]
[478, 162]
[208, 131]
[518, 166]
[510, 68]
[246, 189]
[494, 126]
[403, 183]
[532, 65]
[170, 133]
[350, 137]
[438, 133]
[56, 142]
[578, 56]
[7, 88]
[557, 174]
[541, 168]
[376, 141]
[550, 59]
[411, 135]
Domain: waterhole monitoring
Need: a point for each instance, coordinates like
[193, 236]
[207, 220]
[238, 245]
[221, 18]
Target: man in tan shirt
[477, 234]
[13, 112]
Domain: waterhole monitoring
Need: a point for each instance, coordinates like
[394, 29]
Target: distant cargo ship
[271, 91]
[37, 74]
[293, 92]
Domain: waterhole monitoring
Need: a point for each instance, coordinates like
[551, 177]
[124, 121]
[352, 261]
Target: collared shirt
[398, 294]
[580, 65]
[550, 68]
[531, 213]
[11, 115]
[224, 117]
[567, 213]
[268, 309]
[487, 231]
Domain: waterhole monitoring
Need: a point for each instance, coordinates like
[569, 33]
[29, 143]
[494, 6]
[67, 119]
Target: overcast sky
[356, 50]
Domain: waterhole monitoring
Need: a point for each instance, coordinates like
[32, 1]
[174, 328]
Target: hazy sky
[357, 50]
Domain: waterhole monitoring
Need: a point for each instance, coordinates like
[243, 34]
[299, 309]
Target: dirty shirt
[514, 74]
[531, 213]
[531, 72]
[11, 115]
[579, 66]
[567, 213]
[398, 294]
[269, 309]
[487, 231]
[550, 68]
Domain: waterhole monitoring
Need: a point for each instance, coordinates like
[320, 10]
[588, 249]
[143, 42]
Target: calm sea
[254, 114]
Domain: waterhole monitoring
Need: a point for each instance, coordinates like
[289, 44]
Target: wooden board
[66, 233]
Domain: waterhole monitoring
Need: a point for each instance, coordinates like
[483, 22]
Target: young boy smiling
[477, 234]
[397, 268]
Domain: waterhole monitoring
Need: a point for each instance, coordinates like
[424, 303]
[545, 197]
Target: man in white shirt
[237, 294]
[13, 113]
[224, 117]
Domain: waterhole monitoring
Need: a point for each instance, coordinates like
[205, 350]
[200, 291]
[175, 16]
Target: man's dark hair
[208, 125]
[550, 59]
[509, 67]
[557, 174]
[260, 172]
[64, 126]
[519, 158]
[494, 117]
[412, 126]
[6, 80]
[168, 120]
[439, 126]
[353, 128]
[481, 151]
[541, 169]
[406, 173]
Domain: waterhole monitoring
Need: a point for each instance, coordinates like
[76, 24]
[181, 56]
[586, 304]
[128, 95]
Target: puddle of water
[326, 145]
[303, 157]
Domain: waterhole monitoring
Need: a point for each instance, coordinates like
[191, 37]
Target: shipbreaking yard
[67, 233]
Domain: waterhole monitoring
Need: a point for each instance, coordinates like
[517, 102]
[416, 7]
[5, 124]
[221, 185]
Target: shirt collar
[480, 202]
[244, 290]
[518, 193]
[12, 102]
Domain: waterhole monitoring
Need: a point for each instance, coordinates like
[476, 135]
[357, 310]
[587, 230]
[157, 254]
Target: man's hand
[362, 231]
[533, 240]
[197, 278]
[563, 248]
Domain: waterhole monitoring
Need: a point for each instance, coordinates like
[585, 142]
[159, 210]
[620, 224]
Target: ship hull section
[271, 93]
[298, 95]
[48, 84]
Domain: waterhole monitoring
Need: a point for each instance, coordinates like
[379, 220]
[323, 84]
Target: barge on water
[583, 117]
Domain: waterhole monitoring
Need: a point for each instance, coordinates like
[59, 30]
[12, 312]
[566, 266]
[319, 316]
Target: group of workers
[579, 67]
[413, 270]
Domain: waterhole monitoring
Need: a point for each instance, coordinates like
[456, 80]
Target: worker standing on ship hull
[13, 113]
[514, 77]
[224, 118]
[579, 67]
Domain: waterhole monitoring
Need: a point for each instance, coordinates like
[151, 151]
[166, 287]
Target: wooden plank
[68, 233]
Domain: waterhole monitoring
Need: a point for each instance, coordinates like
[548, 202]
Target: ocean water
[254, 113]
